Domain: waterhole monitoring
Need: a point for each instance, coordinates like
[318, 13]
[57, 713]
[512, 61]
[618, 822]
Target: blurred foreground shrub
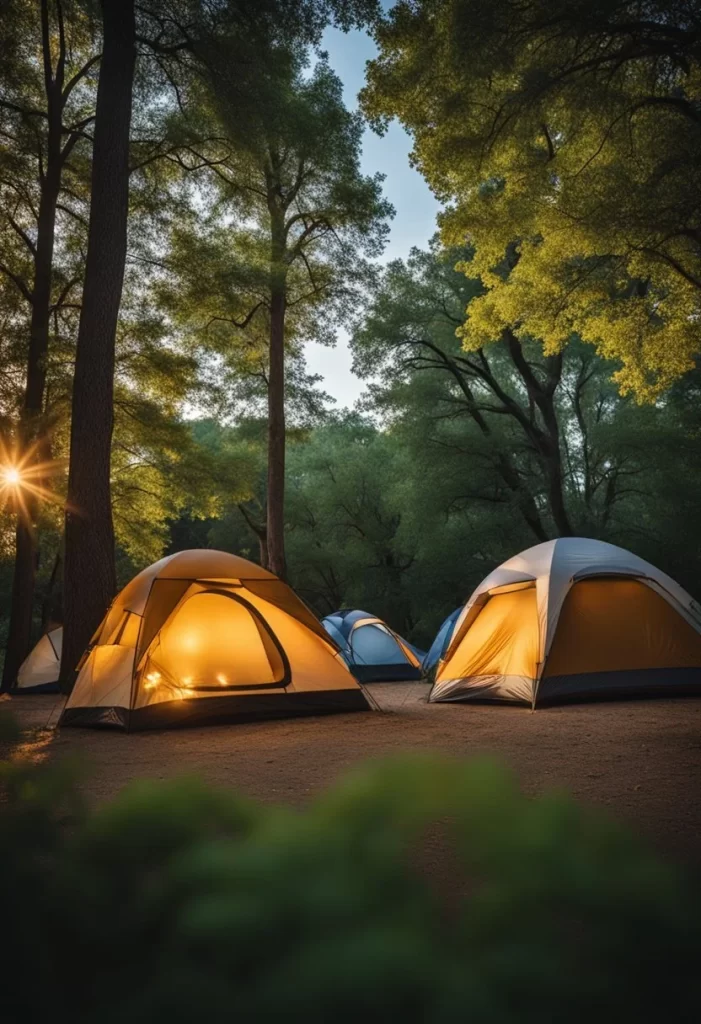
[416, 890]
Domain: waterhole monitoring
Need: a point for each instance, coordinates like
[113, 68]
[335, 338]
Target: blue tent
[372, 651]
[440, 644]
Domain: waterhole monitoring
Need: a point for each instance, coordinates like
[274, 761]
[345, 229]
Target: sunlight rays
[23, 478]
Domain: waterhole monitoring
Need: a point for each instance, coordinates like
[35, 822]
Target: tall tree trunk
[260, 530]
[51, 606]
[546, 441]
[503, 462]
[20, 630]
[263, 550]
[558, 508]
[525, 501]
[553, 453]
[32, 444]
[276, 433]
[89, 570]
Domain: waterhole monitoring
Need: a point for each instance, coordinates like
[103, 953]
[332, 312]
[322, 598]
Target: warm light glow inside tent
[572, 619]
[204, 634]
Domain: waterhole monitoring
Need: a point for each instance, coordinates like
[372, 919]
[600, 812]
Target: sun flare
[24, 478]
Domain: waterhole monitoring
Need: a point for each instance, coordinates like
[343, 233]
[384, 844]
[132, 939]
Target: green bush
[416, 890]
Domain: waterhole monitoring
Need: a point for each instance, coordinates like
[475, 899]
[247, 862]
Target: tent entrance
[501, 641]
[494, 655]
[214, 642]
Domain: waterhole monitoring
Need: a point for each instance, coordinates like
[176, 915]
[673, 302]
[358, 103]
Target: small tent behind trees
[372, 651]
[202, 635]
[441, 642]
[39, 671]
[572, 619]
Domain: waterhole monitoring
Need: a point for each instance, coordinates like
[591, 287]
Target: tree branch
[22, 234]
[241, 324]
[18, 281]
[23, 111]
[78, 76]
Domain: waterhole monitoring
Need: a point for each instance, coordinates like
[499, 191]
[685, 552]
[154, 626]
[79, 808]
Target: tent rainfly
[440, 644]
[204, 635]
[39, 671]
[373, 651]
[572, 619]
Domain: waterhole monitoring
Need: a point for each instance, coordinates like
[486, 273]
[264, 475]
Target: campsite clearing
[640, 760]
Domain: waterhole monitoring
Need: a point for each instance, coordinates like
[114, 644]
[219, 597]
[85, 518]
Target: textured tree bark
[556, 493]
[51, 606]
[23, 582]
[276, 434]
[19, 636]
[263, 550]
[546, 441]
[553, 455]
[89, 570]
[503, 462]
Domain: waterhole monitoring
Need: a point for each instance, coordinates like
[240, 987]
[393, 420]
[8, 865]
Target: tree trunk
[89, 570]
[276, 434]
[503, 462]
[263, 550]
[524, 500]
[260, 530]
[546, 441]
[51, 607]
[558, 508]
[553, 453]
[31, 443]
[20, 632]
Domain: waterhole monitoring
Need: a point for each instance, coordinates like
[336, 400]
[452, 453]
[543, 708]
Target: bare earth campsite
[350, 490]
[639, 760]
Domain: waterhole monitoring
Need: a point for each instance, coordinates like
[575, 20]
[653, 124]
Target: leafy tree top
[565, 139]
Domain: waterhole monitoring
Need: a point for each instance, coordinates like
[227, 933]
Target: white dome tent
[572, 619]
[39, 671]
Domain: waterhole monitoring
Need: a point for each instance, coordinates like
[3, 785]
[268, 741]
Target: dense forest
[183, 209]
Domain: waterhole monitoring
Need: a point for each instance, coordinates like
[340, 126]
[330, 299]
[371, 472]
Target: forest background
[528, 372]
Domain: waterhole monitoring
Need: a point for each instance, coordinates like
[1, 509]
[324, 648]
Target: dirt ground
[641, 760]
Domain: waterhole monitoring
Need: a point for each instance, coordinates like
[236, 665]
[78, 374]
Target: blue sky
[416, 208]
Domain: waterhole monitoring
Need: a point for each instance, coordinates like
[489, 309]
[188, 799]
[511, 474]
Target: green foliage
[416, 889]
[563, 138]
[290, 209]
[454, 466]
[566, 139]
[24, 160]
[350, 537]
[505, 445]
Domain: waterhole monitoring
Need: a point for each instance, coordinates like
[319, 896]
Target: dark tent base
[385, 673]
[643, 683]
[587, 687]
[175, 714]
[18, 691]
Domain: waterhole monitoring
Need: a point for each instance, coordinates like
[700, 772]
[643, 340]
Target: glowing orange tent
[202, 635]
[569, 619]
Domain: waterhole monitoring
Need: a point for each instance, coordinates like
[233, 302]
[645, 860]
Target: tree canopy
[530, 372]
[565, 139]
